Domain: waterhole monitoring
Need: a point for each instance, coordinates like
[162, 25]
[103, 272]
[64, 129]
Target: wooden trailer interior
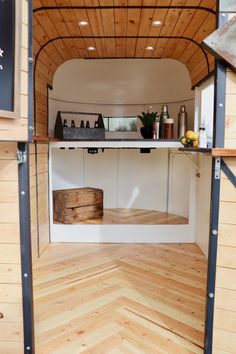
[106, 297]
[116, 33]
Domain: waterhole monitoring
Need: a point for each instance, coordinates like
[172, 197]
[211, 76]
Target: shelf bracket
[193, 163]
[228, 172]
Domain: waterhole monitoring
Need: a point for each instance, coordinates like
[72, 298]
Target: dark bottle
[64, 123]
[164, 115]
[82, 124]
[96, 124]
[87, 124]
[72, 124]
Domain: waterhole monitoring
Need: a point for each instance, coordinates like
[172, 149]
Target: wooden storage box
[77, 204]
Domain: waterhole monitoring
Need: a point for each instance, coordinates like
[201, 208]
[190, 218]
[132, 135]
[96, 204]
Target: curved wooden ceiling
[119, 29]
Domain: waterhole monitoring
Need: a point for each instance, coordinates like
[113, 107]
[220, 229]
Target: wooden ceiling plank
[108, 22]
[95, 21]
[71, 23]
[181, 25]
[193, 27]
[133, 21]
[43, 38]
[120, 27]
[146, 19]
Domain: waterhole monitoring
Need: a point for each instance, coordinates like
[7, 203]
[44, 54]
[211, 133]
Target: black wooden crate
[76, 133]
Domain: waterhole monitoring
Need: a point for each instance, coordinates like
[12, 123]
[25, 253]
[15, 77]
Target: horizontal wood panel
[8, 170]
[11, 313]
[227, 191]
[225, 299]
[12, 347]
[9, 192]
[226, 257]
[10, 272]
[224, 340]
[226, 278]
[227, 213]
[10, 253]
[8, 151]
[9, 213]
[225, 320]
[9, 233]
[10, 293]
[11, 332]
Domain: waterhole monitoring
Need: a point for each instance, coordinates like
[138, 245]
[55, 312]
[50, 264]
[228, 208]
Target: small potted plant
[147, 119]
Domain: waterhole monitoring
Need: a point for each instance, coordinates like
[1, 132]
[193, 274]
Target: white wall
[203, 198]
[121, 87]
[122, 81]
[129, 179]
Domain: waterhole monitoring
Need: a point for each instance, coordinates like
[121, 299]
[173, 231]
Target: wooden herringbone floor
[136, 216]
[109, 298]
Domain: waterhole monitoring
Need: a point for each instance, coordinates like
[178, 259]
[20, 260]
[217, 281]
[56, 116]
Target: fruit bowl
[190, 139]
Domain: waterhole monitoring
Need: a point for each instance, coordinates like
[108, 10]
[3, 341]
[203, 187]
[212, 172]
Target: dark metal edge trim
[125, 37]
[113, 7]
[199, 83]
[30, 74]
[25, 245]
[231, 176]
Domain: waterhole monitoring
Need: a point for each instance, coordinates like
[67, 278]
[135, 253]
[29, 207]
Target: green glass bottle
[164, 115]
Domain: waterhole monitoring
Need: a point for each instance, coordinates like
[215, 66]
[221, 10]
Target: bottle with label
[82, 124]
[164, 115]
[182, 121]
[169, 128]
[65, 123]
[72, 124]
[87, 124]
[202, 139]
[96, 124]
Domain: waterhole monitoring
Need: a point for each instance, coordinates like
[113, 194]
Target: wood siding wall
[39, 198]
[16, 129]
[224, 340]
[11, 320]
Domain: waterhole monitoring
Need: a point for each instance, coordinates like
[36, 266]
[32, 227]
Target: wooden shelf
[118, 144]
[224, 152]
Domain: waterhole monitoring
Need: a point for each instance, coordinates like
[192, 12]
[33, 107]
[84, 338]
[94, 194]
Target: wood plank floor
[136, 216]
[110, 298]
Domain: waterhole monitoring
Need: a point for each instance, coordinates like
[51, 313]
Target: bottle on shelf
[96, 124]
[72, 124]
[164, 115]
[82, 124]
[202, 139]
[169, 128]
[155, 129]
[65, 123]
[182, 121]
[87, 124]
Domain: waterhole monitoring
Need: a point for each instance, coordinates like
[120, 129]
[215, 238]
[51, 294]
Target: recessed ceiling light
[149, 48]
[83, 23]
[156, 23]
[91, 48]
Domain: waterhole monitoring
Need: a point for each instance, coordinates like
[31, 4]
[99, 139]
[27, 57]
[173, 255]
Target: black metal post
[25, 241]
[218, 141]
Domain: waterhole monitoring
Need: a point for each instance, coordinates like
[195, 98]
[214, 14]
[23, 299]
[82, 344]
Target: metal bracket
[231, 176]
[21, 156]
[217, 167]
[193, 162]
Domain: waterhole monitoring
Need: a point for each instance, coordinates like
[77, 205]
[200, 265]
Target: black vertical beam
[30, 74]
[218, 141]
[25, 242]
